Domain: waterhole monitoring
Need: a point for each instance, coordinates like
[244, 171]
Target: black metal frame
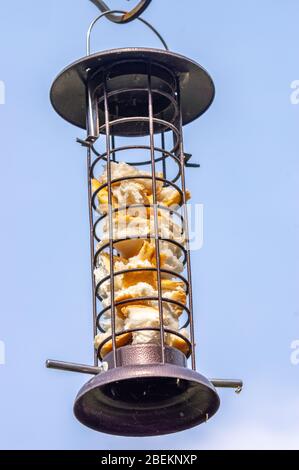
[179, 397]
[97, 93]
[177, 153]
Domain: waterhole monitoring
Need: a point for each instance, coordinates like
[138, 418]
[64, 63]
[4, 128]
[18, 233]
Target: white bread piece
[145, 259]
[143, 289]
[126, 225]
[169, 256]
[102, 271]
[129, 192]
[134, 190]
[121, 169]
[143, 316]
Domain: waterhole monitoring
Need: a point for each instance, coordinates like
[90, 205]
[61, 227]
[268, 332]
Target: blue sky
[246, 276]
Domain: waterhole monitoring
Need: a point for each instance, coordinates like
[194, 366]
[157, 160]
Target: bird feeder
[134, 103]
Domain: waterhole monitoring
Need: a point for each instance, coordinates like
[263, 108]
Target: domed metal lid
[68, 92]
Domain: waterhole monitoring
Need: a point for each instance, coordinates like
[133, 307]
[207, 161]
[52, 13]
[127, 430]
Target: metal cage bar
[165, 153]
[134, 206]
[92, 251]
[110, 218]
[156, 219]
[109, 154]
[183, 182]
[169, 240]
[134, 330]
[118, 180]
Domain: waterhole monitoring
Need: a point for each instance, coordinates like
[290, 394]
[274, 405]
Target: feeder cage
[134, 102]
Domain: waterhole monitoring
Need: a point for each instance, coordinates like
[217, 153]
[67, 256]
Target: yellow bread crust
[129, 248]
[102, 196]
[134, 277]
[144, 251]
[169, 284]
[120, 341]
[178, 343]
[136, 302]
[179, 297]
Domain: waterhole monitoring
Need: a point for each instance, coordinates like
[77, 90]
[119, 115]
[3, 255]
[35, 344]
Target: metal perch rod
[72, 367]
[85, 369]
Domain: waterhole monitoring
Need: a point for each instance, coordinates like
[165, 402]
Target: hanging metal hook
[106, 13]
[126, 17]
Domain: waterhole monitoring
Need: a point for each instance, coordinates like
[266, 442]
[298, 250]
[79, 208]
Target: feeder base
[137, 354]
[146, 400]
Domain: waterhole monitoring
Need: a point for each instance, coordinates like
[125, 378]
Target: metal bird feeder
[148, 95]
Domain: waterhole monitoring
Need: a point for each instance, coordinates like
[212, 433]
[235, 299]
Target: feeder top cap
[68, 92]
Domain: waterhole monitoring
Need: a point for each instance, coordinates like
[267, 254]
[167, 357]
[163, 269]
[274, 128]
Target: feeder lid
[68, 92]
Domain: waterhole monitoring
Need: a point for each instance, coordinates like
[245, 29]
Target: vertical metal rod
[156, 219]
[110, 219]
[113, 147]
[164, 157]
[186, 225]
[92, 124]
[91, 234]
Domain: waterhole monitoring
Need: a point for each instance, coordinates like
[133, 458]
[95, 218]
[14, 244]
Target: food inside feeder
[136, 290]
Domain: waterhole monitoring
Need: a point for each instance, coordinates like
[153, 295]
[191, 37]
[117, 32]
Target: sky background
[246, 274]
